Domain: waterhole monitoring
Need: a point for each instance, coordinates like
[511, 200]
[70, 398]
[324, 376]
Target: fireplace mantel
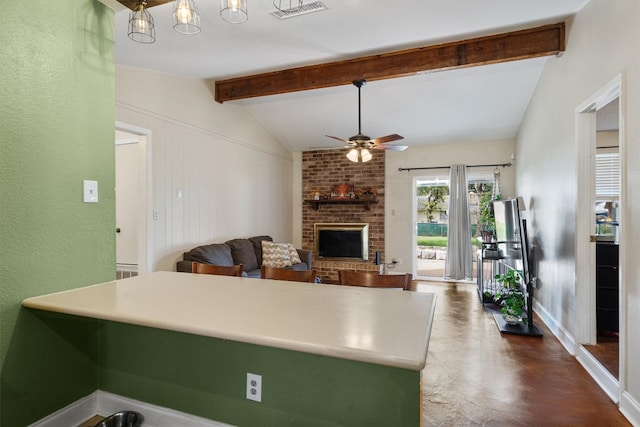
[366, 203]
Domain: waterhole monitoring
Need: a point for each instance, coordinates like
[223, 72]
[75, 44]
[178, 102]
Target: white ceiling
[472, 104]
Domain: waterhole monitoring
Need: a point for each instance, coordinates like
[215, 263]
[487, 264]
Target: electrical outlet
[254, 387]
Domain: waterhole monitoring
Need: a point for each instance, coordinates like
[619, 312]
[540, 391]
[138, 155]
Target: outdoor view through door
[432, 228]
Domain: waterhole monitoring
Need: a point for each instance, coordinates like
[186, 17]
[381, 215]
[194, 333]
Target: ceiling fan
[361, 144]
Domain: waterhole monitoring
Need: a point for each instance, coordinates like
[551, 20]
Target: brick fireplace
[322, 170]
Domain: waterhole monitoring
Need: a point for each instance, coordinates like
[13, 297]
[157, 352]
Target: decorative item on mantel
[315, 194]
[366, 193]
[342, 192]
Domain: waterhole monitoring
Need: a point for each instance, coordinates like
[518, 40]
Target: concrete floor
[476, 376]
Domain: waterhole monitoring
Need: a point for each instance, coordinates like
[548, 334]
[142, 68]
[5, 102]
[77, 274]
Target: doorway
[599, 272]
[431, 202]
[134, 237]
[127, 197]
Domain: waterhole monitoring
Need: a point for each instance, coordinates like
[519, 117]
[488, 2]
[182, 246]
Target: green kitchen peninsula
[327, 354]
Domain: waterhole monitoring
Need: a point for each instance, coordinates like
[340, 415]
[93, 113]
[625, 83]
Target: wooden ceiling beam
[512, 46]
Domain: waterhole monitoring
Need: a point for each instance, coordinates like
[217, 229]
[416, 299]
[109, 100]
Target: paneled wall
[216, 174]
[323, 169]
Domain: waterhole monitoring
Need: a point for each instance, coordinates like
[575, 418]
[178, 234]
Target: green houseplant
[511, 297]
[486, 222]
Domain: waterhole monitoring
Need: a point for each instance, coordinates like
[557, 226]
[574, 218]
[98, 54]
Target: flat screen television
[512, 236]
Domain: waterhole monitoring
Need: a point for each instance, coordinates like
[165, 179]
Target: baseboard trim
[71, 415]
[103, 403]
[154, 416]
[607, 382]
[630, 408]
[566, 339]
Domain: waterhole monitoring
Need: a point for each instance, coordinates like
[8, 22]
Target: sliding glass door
[432, 200]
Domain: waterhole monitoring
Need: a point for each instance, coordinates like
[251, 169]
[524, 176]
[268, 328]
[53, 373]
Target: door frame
[482, 172]
[586, 327]
[145, 212]
[414, 239]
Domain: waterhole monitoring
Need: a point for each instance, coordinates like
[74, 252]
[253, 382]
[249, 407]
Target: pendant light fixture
[234, 11]
[359, 155]
[288, 5]
[186, 19]
[141, 26]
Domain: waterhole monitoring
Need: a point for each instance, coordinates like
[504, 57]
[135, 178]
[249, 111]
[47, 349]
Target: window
[607, 175]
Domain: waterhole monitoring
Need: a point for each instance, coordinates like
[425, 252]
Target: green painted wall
[56, 130]
[207, 377]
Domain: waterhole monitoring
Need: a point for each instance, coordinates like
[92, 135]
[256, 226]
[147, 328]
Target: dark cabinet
[607, 289]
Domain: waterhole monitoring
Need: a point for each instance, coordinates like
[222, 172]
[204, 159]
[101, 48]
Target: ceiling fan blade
[346, 141]
[335, 147]
[390, 147]
[388, 138]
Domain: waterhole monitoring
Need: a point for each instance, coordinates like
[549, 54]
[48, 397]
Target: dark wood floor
[477, 377]
[607, 352]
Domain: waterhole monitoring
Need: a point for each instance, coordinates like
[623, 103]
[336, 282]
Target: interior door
[127, 203]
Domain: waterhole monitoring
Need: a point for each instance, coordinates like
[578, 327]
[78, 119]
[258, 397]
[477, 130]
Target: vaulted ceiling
[460, 104]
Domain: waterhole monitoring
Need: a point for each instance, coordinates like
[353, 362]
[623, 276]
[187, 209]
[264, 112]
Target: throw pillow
[243, 253]
[215, 254]
[275, 254]
[293, 254]
[256, 241]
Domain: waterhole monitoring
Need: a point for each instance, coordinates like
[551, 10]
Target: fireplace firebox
[348, 241]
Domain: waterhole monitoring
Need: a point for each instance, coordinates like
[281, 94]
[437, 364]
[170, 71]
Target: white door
[127, 198]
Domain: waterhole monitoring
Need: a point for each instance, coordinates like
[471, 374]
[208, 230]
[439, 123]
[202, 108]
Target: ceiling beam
[131, 4]
[512, 46]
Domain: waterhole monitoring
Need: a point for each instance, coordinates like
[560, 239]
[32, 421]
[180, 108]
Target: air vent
[315, 6]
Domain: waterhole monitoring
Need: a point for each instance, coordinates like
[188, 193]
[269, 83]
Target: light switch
[90, 191]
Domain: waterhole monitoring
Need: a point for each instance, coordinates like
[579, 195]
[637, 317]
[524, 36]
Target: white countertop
[381, 326]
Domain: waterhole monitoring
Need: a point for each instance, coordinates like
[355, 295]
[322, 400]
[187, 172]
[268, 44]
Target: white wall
[399, 227]
[236, 179]
[603, 41]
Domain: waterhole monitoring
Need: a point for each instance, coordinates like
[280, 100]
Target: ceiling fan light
[365, 155]
[353, 155]
[234, 11]
[141, 26]
[186, 19]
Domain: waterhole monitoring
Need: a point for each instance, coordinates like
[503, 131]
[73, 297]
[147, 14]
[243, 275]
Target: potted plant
[487, 222]
[511, 297]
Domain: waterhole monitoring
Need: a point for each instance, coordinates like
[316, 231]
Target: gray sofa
[238, 251]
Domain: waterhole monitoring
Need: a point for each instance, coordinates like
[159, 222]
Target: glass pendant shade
[234, 11]
[287, 5]
[357, 155]
[186, 19]
[141, 26]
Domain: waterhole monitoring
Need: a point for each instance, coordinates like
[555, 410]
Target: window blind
[607, 175]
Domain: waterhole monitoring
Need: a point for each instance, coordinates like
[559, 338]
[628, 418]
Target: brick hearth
[323, 169]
